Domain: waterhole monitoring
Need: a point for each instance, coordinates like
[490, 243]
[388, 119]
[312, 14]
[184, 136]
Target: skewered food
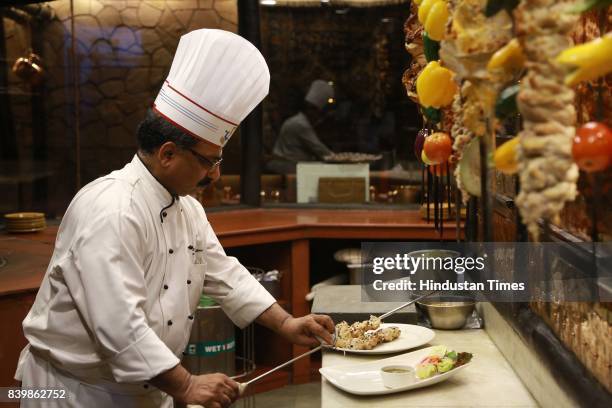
[509, 57]
[461, 136]
[432, 115]
[480, 97]
[495, 6]
[431, 48]
[588, 61]
[413, 31]
[364, 335]
[438, 147]
[435, 86]
[414, 45]
[547, 172]
[505, 106]
[433, 15]
[344, 331]
[469, 169]
[409, 80]
[592, 149]
[419, 141]
[471, 41]
[506, 156]
[473, 38]
[351, 157]
[425, 159]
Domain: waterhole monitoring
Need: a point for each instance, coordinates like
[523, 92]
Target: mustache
[205, 182]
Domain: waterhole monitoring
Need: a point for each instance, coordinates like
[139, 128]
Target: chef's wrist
[274, 318]
[185, 389]
[176, 382]
[284, 320]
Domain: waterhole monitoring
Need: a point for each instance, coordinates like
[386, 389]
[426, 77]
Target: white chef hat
[320, 93]
[216, 79]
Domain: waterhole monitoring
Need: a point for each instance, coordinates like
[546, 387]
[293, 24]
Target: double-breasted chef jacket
[117, 302]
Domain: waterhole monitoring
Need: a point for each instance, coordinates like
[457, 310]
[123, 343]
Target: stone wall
[124, 50]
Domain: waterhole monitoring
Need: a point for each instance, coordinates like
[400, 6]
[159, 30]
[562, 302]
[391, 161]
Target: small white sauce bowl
[397, 375]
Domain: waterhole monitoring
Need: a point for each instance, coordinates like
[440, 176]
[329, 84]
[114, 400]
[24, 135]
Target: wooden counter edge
[288, 230]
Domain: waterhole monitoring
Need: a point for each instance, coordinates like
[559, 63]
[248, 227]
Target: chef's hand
[302, 330]
[211, 390]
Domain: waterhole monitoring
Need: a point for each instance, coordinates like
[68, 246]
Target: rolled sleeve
[246, 301]
[142, 360]
[230, 284]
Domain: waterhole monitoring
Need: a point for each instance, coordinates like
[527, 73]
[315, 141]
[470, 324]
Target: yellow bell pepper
[424, 9]
[591, 60]
[435, 86]
[506, 156]
[417, 2]
[433, 14]
[510, 57]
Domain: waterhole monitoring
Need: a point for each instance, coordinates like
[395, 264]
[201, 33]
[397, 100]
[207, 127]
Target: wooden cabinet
[13, 309]
[268, 239]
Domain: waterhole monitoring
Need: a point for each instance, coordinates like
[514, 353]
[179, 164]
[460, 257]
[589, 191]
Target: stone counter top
[489, 382]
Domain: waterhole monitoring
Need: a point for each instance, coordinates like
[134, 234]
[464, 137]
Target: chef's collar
[161, 193]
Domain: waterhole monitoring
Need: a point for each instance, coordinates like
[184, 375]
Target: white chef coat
[116, 305]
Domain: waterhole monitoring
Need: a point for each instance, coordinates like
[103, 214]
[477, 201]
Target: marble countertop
[488, 382]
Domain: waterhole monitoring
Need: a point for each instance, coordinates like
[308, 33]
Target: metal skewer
[390, 312]
[244, 385]
[314, 350]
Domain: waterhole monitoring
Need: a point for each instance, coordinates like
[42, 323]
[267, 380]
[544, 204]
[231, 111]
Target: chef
[134, 252]
[298, 140]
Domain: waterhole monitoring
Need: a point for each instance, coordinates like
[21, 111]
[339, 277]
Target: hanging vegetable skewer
[547, 172]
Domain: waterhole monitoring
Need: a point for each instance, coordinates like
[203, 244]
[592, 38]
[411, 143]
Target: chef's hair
[154, 131]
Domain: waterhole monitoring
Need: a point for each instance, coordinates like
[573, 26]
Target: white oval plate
[365, 378]
[411, 336]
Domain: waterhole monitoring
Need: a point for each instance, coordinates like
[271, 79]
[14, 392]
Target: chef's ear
[166, 152]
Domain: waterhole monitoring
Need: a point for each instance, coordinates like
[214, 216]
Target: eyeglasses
[205, 161]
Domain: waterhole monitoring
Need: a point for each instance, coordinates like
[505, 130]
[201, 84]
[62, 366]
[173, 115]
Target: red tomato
[438, 147]
[592, 149]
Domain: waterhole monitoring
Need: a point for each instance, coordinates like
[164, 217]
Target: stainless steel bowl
[448, 313]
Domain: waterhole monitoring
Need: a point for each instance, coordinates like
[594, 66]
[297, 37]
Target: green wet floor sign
[210, 348]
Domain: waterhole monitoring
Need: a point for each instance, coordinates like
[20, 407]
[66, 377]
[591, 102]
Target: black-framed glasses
[205, 161]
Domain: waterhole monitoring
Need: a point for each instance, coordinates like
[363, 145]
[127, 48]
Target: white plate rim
[325, 372]
[430, 335]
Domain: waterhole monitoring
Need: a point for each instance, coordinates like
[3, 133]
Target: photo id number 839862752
[12, 394]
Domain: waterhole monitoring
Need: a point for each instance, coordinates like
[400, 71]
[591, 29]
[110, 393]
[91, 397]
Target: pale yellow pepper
[506, 156]
[591, 60]
[510, 57]
[424, 8]
[433, 14]
[435, 86]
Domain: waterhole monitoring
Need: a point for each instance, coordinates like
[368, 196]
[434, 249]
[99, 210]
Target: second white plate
[411, 336]
[365, 379]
